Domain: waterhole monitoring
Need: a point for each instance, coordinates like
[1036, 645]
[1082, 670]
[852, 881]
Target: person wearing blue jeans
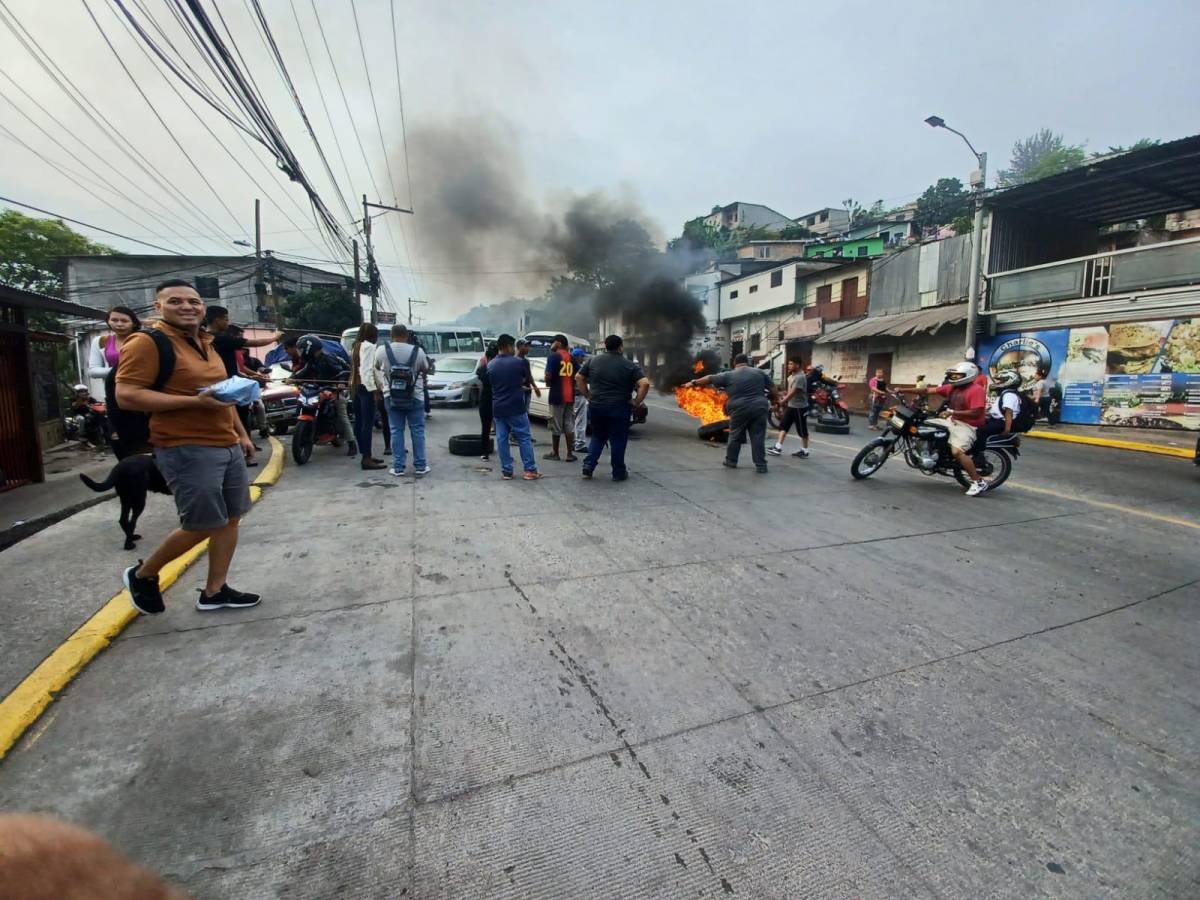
[399, 366]
[606, 380]
[510, 376]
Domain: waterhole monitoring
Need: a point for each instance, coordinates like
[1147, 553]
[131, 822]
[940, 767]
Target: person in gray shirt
[607, 380]
[747, 405]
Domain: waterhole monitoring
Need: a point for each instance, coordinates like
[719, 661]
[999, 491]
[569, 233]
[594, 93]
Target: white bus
[540, 341]
[435, 340]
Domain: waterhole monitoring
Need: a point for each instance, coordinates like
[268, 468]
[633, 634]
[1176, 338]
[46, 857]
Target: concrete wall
[771, 250]
[836, 221]
[107, 281]
[755, 294]
[835, 277]
[928, 355]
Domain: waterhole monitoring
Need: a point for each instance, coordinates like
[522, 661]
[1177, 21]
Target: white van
[435, 340]
[540, 341]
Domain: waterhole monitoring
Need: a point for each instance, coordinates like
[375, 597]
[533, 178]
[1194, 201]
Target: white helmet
[1009, 379]
[81, 387]
[962, 373]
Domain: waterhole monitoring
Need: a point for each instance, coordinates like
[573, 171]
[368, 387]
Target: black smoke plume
[480, 227]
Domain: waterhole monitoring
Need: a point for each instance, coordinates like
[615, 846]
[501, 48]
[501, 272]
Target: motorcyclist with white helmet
[1006, 407]
[965, 390]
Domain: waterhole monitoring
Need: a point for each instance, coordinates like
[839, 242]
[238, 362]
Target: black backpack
[133, 428]
[1025, 416]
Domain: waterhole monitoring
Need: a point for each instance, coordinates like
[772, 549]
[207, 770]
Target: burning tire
[718, 432]
[469, 445]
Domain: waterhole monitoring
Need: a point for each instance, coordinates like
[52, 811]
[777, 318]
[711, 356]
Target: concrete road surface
[698, 683]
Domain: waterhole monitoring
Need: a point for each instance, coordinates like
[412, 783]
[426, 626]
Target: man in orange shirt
[199, 444]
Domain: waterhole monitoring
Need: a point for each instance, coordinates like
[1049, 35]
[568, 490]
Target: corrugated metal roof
[1135, 185]
[924, 320]
[15, 296]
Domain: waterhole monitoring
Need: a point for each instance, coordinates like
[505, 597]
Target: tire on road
[470, 445]
[714, 431]
[302, 442]
[870, 459]
[830, 428]
[1001, 464]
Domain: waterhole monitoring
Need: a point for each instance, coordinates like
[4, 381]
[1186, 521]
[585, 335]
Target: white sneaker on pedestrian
[775, 451]
[802, 453]
[423, 471]
[977, 488]
[399, 473]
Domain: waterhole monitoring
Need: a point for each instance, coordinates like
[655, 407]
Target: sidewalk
[1146, 440]
[27, 510]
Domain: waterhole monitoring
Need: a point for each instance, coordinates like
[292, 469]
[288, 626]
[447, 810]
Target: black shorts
[793, 416]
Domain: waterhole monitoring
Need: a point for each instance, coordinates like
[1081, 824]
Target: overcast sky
[681, 105]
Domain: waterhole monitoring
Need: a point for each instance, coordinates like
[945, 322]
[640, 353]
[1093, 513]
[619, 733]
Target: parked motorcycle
[317, 421]
[926, 448]
[90, 426]
[831, 412]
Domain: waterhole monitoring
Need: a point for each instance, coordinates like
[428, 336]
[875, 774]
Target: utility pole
[260, 287]
[357, 285]
[411, 320]
[979, 182]
[372, 268]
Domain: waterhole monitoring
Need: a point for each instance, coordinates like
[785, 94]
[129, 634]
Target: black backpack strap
[166, 358]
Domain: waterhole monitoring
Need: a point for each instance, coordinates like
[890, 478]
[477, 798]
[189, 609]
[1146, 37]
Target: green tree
[943, 202]
[1039, 156]
[330, 312]
[29, 249]
[794, 233]
[1141, 144]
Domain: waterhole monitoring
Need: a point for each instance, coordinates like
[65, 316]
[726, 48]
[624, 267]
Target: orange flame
[698, 367]
[705, 403]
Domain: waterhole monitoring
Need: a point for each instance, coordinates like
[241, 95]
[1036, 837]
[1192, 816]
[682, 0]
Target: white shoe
[424, 471]
[801, 454]
[775, 451]
[399, 473]
[977, 488]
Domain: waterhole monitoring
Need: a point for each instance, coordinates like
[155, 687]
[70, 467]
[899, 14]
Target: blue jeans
[414, 416]
[519, 426]
[364, 419]
[610, 425]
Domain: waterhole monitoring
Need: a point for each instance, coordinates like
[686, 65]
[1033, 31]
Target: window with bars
[777, 278]
[755, 341]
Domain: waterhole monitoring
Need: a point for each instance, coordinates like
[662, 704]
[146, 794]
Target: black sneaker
[761, 470]
[775, 451]
[586, 473]
[227, 598]
[143, 592]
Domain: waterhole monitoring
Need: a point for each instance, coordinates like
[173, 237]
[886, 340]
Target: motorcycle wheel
[302, 442]
[997, 461]
[870, 459]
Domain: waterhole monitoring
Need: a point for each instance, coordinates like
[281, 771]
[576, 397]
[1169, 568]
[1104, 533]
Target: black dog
[133, 477]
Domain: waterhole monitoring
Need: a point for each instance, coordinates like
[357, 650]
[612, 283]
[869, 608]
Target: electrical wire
[158, 116]
[162, 221]
[404, 145]
[89, 109]
[86, 225]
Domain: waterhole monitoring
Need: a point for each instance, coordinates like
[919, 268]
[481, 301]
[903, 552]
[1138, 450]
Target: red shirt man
[967, 399]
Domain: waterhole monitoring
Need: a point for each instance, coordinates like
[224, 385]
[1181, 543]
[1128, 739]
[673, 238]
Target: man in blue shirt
[510, 378]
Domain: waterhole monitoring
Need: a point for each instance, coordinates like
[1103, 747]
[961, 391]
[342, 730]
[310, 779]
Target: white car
[539, 407]
[454, 379]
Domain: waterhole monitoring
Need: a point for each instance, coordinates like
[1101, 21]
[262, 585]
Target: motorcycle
[826, 403]
[926, 448]
[89, 427]
[316, 423]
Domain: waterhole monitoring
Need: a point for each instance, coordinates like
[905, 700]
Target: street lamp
[979, 182]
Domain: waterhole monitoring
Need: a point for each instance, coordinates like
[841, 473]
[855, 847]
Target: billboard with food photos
[1126, 373]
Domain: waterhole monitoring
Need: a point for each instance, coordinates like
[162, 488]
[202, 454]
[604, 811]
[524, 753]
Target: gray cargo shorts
[562, 419]
[210, 484]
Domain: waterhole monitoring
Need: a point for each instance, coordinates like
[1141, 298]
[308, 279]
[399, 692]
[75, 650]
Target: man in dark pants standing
[748, 389]
[607, 380]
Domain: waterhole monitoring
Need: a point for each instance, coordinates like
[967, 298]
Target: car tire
[470, 445]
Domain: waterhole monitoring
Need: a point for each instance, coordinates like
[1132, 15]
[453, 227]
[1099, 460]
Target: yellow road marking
[1180, 452]
[1102, 504]
[29, 699]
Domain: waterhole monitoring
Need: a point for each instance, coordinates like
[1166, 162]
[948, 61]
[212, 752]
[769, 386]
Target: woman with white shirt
[106, 349]
[364, 387]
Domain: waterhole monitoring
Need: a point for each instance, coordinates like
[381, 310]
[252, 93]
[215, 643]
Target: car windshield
[456, 364]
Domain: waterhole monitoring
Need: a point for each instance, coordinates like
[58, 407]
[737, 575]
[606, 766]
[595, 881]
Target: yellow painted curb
[1180, 452]
[29, 699]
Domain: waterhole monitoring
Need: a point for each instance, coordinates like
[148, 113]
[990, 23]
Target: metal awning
[15, 296]
[1134, 185]
[920, 322]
